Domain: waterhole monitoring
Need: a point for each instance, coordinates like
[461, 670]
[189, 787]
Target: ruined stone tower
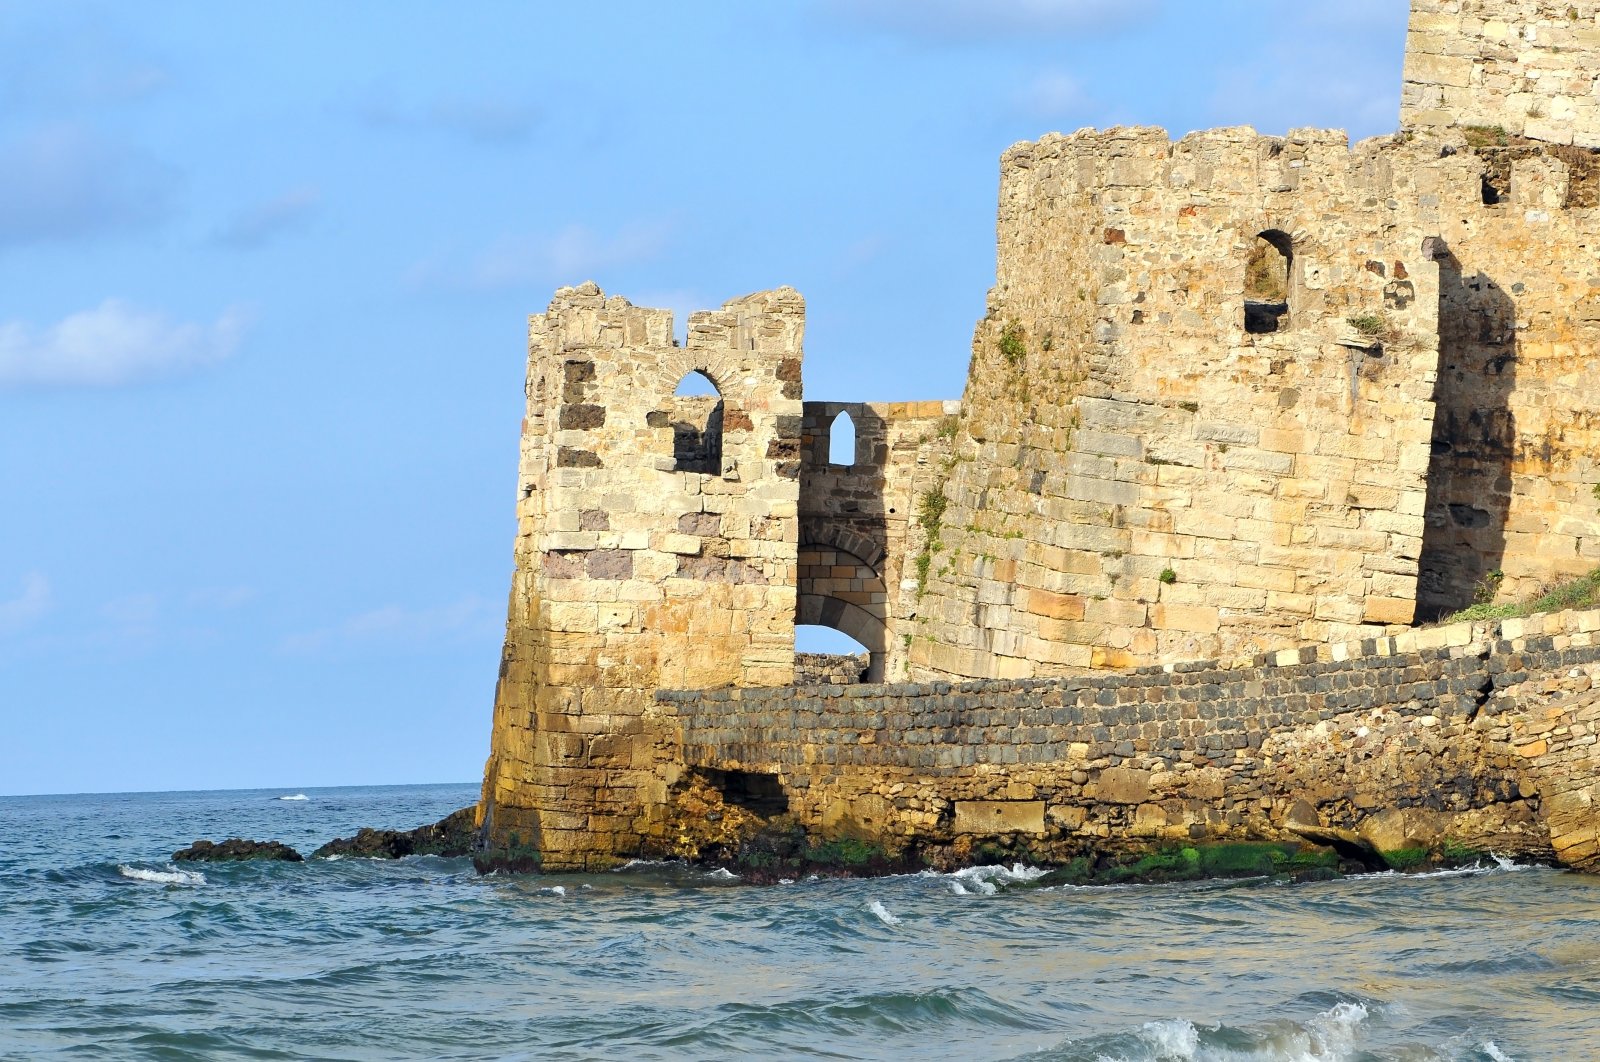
[656, 548]
[1233, 394]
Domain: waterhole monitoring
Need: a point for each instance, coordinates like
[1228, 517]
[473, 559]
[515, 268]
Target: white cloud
[260, 223]
[1344, 72]
[113, 344]
[966, 20]
[60, 182]
[135, 622]
[219, 597]
[574, 254]
[484, 119]
[1053, 94]
[396, 626]
[21, 611]
[64, 56]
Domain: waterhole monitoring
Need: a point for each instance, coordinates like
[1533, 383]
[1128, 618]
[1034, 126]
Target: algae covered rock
[454, 835]
[236, 849]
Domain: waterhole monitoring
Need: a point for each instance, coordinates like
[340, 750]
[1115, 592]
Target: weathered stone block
[989, 817]
[1122, 785]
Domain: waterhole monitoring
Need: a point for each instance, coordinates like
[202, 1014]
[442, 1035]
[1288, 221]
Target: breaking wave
[1336, 1034]
[881, 913]
[295, 796]
[171, 876]
[986, 881]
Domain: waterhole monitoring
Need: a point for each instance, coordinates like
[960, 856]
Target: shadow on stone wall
[697, 446]
[1474, 441]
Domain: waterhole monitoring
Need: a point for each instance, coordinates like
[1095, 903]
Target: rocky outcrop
[452, 836]
[235, 850]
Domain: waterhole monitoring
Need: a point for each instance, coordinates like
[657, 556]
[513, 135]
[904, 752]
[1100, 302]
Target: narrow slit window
[842, 440]
[1268, 278]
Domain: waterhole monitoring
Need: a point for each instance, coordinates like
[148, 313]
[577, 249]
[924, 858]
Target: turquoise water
[109, 951]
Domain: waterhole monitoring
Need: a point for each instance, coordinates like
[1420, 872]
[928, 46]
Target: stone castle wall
[1138, 473]
[1513, 477]
[1452, 734]
[1122, 422]
[1530, 67]
[1298, 486]
[657, 546]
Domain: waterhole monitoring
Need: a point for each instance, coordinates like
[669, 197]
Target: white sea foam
[295, 796]
[1501, 864]
[882, 913]
[1171, 1039]
[1333, 1032]
[723, 874]
[171, 876]
[986, 881]
[1494, 1052]
[554, 890]
[641, 864]
[1327, 1037]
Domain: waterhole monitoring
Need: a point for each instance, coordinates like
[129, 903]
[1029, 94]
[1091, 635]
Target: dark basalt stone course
[236, 849]
[452, 836]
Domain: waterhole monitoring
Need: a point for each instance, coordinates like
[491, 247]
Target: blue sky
[265, 270]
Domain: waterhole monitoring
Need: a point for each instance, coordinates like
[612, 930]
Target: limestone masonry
[1264, 402]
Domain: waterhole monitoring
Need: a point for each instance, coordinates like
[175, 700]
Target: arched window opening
[842, 440]
[696, 419]
[696, 385]
[824, 656]
[1268, 278]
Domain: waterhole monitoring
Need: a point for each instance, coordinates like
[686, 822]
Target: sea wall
[1430, 739]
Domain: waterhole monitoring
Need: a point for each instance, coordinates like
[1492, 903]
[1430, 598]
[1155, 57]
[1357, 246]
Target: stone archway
[840, 590]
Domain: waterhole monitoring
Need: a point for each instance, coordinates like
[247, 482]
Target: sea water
[109, 950]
